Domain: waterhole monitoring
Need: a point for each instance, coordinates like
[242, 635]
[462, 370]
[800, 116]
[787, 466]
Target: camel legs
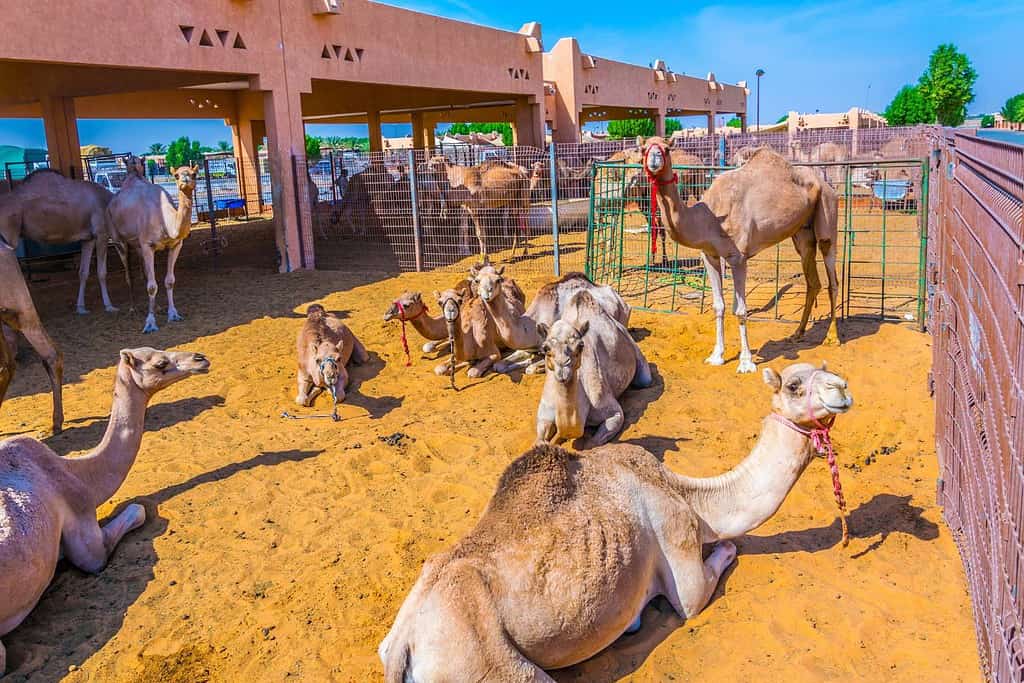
[713, 267]
[479, 233]
[102, 251]
[149, 268]
[607, 430]
[805, 246]
[359, 354]
[32, 328]
[7, 367]
[446, 367]
[480, 368]
[828, 252]
[172, 258]
[695, 580]
[305, 387]
[83, 274]
[88, 547]
[123, 254]
[739, 308]
[438, 345]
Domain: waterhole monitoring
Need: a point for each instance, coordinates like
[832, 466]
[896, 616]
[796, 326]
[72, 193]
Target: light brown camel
[324, 347]
[743, 154]
[743, 212]
[48, 502]
[824, 153]
[410, 308]
[572, 547]
[473, 333]
[552, 299]
[49, 208]
[572, 182]
[143, 217]
[19, 313]
[491, 185]
[591, 360]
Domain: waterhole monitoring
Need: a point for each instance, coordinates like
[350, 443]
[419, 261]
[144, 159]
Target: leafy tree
[223, 146]
[948, 84]
[151, 166]
[734, 122]
[157, 148]
[466, 128]
[672, 125]
[184, 151]
[630, 128]
[782, 118]
[313, 147]
[909, 107]
[1013, 110]
[987, 121]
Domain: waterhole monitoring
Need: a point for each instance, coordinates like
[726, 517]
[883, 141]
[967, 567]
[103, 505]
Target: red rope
[403, 319]
[656, 184]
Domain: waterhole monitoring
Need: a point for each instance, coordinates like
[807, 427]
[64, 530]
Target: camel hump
[316, 313]
[583, 300]
[545, 474]
[575, 275]
[767, 156]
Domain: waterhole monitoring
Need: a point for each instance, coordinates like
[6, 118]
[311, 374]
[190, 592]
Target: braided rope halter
[821, 439]
[656, 184]
[404, 320]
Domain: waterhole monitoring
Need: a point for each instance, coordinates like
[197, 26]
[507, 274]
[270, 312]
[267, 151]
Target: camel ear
[174, 170]
[474, 271]
[671, 142]
[772, 379]
[824, 368]
[128, 359]
[195, 169]
[416, 296]
[582, 329]
[500, 270]
[437, 295]
[542, 330]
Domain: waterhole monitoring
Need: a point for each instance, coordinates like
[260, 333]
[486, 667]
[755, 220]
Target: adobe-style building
[267, 69]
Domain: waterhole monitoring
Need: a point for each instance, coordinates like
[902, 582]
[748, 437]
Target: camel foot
[475, 372]
[135, 515]
[111, 309]
[746, 365]
[441, 369]
[832, 338]
[537, 368]
[81, 310]
[173, 316]
[715, 358]
[796, 336]
[150, 325]
[722, 556]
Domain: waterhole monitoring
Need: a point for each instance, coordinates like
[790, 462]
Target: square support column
[658, 116]
[246, 137]
[286, 151]
[528, 125]
[61, 125]
[418, 142]
[743, 122]
[374, 131]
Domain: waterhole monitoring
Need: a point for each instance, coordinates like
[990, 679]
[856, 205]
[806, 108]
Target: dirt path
[282, 549]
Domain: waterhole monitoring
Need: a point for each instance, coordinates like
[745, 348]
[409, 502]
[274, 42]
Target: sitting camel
[591, 360]
[324, 347]
[490, 185]
[410, 308]
[49, 208]
[612, 529]
[744, 211]
[48, 502]
[143, 217]
[18, 312]
[472, 330]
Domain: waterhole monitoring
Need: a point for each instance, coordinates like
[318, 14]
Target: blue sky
[826, 56]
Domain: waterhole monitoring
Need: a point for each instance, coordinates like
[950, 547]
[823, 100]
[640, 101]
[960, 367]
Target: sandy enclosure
[280, 549]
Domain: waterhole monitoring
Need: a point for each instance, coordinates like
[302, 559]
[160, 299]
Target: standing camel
[49, 208]
[572, 547]
[48, 502]
[143, 217]
[490, 185]
[18, 312]
[743, 212]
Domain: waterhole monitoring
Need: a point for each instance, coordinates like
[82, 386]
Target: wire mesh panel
[978, 355]
[17, 170]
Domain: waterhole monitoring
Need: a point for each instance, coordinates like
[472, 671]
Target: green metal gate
[880, 257]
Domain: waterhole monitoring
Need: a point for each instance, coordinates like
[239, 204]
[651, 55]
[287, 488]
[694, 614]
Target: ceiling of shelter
[339, 97]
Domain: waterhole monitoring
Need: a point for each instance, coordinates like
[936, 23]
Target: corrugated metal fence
[976, 275]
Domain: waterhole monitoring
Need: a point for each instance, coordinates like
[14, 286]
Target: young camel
[324, 347]
[410, 308]
[472, 329]
[48, 502]
[49, 208]
[591, 360]
[612, 529]
[491, 185]
[743, 212]
[19, 313]
[143, 217]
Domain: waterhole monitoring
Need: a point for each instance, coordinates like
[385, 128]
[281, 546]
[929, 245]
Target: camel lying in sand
[324, 347]
[472, 330]
[19, 313]
[591, 360]
[410, 308]
[48, 502]
[572, 547]
[49, 208]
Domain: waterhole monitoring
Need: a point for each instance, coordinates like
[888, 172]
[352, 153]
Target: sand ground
[279, 549]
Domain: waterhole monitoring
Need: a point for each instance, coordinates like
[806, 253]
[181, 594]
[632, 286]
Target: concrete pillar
[854, 117]
[711, 122]
[286, 142]
[528, 124]
[658, 116]
[374, 131]
[62, 143]
[429, 137]
[743, 122]
[418, 140]
[246, 137]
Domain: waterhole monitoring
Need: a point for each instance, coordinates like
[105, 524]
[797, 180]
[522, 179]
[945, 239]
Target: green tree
[948, 84]
[1013, 110]
[313, 147]
[630, 128]
[157, 148]
[183, 151]
[466, 128]
[782, 118]
[987, 121]
[223, 146]
[734, 122]
[151, 166]
[672, 125]
[909, 107]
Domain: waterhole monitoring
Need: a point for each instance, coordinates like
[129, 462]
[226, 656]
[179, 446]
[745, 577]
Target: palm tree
[223, 146]
[157, 148]
[335, 142]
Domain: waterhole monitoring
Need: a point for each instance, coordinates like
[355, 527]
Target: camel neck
[568, 411]
[106, 467]
[430, 327]
[515, 328]
[742, 499]
[183, 216]
[675, 215]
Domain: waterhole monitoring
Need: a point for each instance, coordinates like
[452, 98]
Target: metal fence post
[416, 236]
[554, 208]
[721, 150]
[214, 244]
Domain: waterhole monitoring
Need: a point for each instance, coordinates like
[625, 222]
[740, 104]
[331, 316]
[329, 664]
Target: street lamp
[759, 73]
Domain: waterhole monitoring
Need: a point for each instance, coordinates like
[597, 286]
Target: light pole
[759, 73]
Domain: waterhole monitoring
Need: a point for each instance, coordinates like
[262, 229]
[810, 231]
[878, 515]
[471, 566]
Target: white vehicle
[111, 179]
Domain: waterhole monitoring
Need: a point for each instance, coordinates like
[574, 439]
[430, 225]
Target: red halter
[405, 340]
[656, 184]
[821, 440]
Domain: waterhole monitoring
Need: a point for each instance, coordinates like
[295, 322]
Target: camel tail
[316, 313]
[398, 667]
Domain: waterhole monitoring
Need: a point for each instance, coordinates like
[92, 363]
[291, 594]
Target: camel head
[450, 301]
[153, 370]
[134, 165]
[185, 178]
[486, 280]
[409, 305]
[656, 154]
[562, 348]
[327, 360]
[806, 395]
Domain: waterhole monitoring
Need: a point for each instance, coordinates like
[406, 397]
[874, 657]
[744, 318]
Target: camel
[48, 502]
[591, 360]
[491, 185]
[19, 313]
[410, 308]
[472, 331]
[572, 547]
[552, 299]
[324, 347]
[743, 154]
[826, 152]
[746, 210]
[142, 216]
[49, 208]
[572, 182]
